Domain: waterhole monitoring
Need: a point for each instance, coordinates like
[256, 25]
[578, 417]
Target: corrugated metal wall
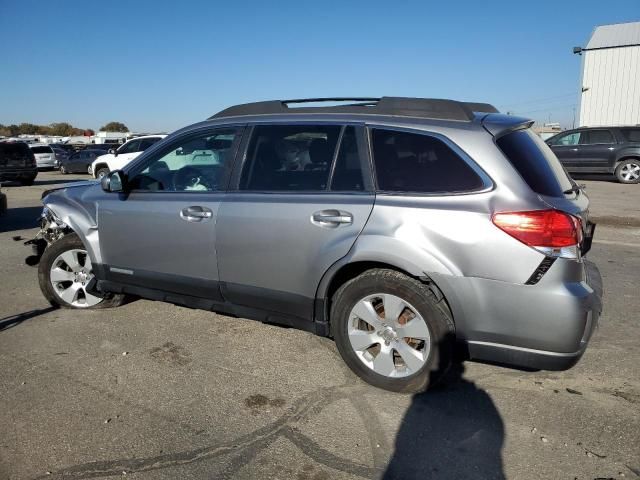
[612, 77]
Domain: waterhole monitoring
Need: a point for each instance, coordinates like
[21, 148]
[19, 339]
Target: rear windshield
[535, 162]
[13, 148]
[43, 149]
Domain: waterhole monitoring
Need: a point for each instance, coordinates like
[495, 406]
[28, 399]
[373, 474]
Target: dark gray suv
[403, 228]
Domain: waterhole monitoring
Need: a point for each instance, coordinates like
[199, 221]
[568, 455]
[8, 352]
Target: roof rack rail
[438, 109]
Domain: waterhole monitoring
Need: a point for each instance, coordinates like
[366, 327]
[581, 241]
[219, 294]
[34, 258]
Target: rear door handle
[331, 218]
[574, 149]
[195, 213]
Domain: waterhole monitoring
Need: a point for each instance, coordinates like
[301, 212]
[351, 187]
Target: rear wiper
[574, 189]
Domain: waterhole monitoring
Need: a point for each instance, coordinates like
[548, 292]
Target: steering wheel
[191, 178]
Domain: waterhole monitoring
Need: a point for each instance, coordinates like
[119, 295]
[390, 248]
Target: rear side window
[410, 162]
[42, 149]
[631, 134]
[594, 137]
[535, 162]
[289, 157]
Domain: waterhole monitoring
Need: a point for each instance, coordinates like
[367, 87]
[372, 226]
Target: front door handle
[574, 149]
[331, 218]
[195, 213]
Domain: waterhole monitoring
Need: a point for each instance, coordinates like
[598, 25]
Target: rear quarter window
[631, 134]
[420, 163]
[535, 162]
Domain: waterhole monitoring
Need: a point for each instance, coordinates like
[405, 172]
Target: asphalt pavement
[157, 391]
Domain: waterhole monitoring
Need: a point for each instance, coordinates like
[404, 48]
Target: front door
[162, 234]
[566, 148]
[301, 199]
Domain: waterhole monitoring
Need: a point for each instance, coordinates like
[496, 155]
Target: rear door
[300, 197]
[596, 149]
[566, 147]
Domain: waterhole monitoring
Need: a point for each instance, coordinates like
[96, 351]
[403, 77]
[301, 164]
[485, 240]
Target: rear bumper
[546, 326]
[13, 174]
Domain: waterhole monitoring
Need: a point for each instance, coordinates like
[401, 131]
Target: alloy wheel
[70, 275]
[630, 172]
[388, 335]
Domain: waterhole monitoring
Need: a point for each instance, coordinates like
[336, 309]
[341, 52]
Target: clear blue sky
[160, 65]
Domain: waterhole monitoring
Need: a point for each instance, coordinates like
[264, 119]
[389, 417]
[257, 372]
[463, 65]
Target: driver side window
[196, 163]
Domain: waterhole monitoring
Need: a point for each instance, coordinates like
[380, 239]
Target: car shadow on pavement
[14, 320]
[451, 431]
[22, 218]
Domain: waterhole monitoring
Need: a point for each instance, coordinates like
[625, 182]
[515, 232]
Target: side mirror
[113, 181]
[113, 152]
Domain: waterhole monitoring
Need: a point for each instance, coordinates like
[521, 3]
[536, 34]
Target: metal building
[610, 80]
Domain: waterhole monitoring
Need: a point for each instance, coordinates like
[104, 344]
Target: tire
[73, 293]
[434, 345]
[101, 172]
[628, 171]
[27, 182]
[63, 170]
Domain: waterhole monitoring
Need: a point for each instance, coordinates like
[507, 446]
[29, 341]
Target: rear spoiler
[481, 107]
[498, 124]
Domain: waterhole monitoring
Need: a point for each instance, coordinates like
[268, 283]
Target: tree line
[62, 129]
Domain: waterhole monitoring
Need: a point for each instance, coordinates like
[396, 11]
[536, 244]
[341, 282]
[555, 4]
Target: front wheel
[628, 171]
[101, 173]
[392, 331]
[64, 274]
[63, 170]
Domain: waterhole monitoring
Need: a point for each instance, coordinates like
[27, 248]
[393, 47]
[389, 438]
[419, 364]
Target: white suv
[116, 159]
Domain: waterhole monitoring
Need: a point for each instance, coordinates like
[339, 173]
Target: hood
[84, 183]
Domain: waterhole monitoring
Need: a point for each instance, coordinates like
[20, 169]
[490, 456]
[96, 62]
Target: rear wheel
[64, 274]
[628, 171]
[392, 331]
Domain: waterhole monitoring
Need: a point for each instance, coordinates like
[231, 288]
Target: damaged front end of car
[52, 229]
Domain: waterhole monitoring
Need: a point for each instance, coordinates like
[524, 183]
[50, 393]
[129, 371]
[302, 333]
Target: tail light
[33, 160]
[553, 233]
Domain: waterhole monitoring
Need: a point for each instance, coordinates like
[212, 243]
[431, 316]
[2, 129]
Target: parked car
[45, 157]
[60, 154]
[17, 163]
[118, 158]
[613, 150]
[403, 228]
[79, 162]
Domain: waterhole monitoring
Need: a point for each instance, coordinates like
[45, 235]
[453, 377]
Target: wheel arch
[345, 270]
[98, 166]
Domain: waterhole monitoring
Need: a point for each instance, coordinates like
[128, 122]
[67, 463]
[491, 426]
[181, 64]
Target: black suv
[600, 150]
[17, 163]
